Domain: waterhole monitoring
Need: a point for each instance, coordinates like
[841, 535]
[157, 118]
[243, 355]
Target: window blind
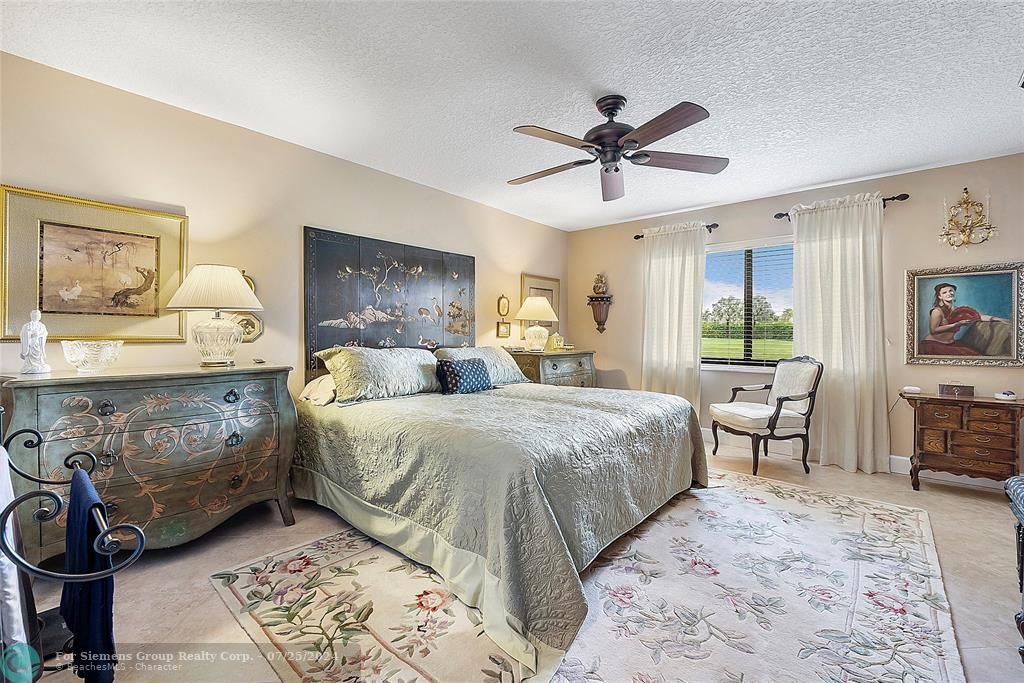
[747, 316]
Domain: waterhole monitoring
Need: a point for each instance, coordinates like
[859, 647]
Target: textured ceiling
[800, 93]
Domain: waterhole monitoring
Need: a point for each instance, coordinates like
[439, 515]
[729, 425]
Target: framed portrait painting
[966, 315]
[96, 270]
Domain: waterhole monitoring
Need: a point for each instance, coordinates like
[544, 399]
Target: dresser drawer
[981, 427]
[565, 365]
[578, 380]
[983, 440]
[939, 415]
[933, 441]
[984, 453]
[108, 409]
[148, 448]
[215, 491]
[994, 414]
[959, 465]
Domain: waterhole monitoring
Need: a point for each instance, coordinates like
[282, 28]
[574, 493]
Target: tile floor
[167, 597]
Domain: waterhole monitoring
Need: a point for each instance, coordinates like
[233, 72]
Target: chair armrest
[773, 421]
[748, 387]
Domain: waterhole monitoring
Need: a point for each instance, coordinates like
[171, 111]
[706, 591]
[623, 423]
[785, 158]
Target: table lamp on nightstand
[536, 309]
[211, 287]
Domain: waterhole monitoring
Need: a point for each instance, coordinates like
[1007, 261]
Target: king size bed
[507, 493]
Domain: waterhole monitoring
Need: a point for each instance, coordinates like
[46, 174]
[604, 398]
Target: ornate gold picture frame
[23, 215]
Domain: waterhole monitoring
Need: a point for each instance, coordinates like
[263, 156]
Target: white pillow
[501, 366]
[362, 374]
[320, 391]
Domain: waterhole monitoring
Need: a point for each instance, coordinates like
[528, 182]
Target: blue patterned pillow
[463, 376]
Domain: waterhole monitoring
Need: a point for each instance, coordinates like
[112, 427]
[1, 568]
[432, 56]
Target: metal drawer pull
[982, 451]
[110, 507]
[554, 366]
[991, 413]
[231, 397]
[580, 363]
[235, 439]
[108, 458]
[107, 407]
[990, 428]
[236, 481]
[982, 439]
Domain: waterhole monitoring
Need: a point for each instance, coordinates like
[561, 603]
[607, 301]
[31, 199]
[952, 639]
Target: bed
[508, 494]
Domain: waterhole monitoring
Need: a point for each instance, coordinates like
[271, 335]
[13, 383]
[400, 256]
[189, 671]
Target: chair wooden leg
[766, 448]
[714, 433]
[806, 444]
[755, 444]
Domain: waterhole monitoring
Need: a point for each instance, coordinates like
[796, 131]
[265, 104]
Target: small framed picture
[504, 330]
[251, 324]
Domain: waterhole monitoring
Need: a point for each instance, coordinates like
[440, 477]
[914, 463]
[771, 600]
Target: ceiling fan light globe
[612, 185]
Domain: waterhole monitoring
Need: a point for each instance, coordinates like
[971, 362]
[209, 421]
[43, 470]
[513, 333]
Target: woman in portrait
[945, 321]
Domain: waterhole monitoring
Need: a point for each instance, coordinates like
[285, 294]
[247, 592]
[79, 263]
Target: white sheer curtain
[837, 302]
[673, 296]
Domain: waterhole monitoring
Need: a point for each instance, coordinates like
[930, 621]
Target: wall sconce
[600, 301]
[966, 223]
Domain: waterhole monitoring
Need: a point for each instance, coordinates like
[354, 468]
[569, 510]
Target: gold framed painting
[538, 285]
[96, 270]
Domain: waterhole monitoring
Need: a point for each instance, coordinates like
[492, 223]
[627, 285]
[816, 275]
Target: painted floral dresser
[179, 450]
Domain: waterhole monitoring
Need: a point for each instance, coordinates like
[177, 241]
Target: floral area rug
[748, 581]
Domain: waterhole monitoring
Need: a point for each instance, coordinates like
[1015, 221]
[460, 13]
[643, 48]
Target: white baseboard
[785, 448]
[900, 464]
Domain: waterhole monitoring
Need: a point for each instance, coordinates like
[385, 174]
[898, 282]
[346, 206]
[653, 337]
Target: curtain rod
[710, 227]
[885, 200]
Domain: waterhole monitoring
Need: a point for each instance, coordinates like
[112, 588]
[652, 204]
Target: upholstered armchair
[785, 413]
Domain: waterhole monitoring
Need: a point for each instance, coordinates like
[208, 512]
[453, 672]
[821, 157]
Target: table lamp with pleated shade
[211, 287]
[536, 309]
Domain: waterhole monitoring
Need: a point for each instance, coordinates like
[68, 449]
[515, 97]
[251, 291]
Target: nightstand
[559, 368]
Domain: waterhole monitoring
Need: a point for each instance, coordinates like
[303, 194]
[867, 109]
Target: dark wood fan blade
[561, 138]
[680, 162]
[681, 116]
[550, 171]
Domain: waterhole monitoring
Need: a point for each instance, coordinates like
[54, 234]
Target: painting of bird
[70, 293]
[438, 311]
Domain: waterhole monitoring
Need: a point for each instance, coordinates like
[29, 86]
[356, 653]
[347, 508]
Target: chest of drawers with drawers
[560, 368]
[972, 436]
[179, 450]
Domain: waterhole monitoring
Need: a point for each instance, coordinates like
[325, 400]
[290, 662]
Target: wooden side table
[559, 368]
[968, 435]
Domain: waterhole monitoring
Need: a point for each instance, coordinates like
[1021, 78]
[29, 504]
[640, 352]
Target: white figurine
[33, 346]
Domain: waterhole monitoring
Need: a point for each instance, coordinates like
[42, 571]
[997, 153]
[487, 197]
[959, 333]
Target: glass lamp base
[536, 338]
[217, 339]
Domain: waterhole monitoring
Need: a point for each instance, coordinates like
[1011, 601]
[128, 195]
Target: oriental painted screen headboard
[366, 292]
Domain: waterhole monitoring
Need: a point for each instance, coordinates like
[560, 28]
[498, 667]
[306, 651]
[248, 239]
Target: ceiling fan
[613, 141]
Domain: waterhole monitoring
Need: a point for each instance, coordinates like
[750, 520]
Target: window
[748, 306]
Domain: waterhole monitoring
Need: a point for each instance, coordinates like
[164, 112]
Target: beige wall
[247, 197]
[911, 241]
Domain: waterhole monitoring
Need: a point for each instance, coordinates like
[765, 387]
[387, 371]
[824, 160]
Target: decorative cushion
[320, 391]
[362, 374]
[753, 417]
[500, 365]
[463, 376]
[1015, 492]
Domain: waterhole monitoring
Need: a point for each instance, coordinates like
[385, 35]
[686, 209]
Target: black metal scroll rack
[105, 542]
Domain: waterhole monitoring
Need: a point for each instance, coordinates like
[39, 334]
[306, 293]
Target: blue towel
[88, 608]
